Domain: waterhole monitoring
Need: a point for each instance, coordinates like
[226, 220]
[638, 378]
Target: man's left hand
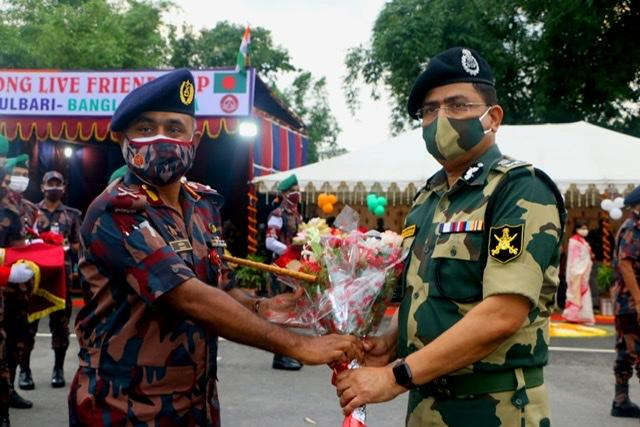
[357, 387]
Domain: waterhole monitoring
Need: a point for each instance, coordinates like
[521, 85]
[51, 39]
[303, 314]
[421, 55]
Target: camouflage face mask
[159, 160]
[448, 139]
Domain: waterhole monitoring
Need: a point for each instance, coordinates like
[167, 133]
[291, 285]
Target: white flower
[389, 238]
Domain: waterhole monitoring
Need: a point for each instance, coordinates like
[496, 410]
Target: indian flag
[242, 61]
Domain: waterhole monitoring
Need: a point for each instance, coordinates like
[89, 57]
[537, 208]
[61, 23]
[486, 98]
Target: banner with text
[219, 92]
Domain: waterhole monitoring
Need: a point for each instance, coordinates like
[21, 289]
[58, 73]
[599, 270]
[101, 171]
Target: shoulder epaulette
[507, 164]
[74, 210]
[205, 191]
[123, 199]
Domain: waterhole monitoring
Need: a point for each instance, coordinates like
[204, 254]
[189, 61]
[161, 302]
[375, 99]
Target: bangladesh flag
[230, 83]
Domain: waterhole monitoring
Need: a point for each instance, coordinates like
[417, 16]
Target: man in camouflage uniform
[19, 216]
[626, 290]
[154, 282]
[14, 287]
[282, 227]
[484, 236]
[64, 221]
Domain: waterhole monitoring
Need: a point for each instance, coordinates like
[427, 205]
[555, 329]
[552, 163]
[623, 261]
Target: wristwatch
[402, 374]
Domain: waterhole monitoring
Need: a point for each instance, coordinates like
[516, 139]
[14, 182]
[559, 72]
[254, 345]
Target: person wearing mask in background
[282, 227]
[578, 307]
[10, 231]
[626, 308]
[16, 216]
[63, 221]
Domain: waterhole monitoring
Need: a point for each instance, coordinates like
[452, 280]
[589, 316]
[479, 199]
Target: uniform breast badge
[506, 242]
[181, 246]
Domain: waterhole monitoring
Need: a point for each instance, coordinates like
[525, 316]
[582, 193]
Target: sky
[317, 34]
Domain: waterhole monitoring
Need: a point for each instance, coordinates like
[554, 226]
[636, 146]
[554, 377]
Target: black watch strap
[403, 375]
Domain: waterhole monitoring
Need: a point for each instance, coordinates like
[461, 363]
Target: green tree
[219, 45]
[307, 96]
[553, 61]
[82, 34]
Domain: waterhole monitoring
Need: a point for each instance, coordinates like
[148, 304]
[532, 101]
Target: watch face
[402, 374]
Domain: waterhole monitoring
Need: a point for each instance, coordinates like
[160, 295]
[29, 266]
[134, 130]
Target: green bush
[604, 278]
[250, 278]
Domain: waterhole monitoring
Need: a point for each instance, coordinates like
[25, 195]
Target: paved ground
[579, 379]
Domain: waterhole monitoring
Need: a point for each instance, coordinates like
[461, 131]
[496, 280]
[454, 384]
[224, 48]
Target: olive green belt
[480, 383]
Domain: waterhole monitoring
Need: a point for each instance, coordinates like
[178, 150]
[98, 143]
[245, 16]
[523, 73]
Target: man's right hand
[20, 273]
[379, 351]
[329, 349]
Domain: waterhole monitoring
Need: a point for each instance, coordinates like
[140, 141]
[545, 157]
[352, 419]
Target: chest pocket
[457, 267]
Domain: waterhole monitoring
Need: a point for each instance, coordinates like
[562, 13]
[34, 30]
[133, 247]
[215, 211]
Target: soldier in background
[62, 220]
[471, 334]
[10, 231]
[17, 215]
[282, 227]
[626, 291]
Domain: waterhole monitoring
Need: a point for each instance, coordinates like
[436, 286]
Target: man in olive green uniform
[472, 331]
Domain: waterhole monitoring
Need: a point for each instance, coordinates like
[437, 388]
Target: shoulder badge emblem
[506, 242]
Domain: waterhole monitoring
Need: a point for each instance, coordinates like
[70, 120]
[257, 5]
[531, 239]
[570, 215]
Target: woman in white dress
[578, 307]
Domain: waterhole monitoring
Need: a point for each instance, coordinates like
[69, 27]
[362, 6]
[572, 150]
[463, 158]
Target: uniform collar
[42, 205]
[187, 195]
[476, 174]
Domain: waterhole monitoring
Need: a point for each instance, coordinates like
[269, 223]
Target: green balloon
[382, 201]
[379, 211]
[372, 202]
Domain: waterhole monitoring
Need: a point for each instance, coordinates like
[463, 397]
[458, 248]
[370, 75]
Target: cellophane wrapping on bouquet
[357, 273]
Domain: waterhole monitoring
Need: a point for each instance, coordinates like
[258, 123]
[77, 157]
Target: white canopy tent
[576, 156]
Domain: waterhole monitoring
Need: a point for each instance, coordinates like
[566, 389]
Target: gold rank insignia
[506, 242]
[408, 232]
[186, 92]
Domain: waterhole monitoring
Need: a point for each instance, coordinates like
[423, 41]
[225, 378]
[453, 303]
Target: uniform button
[454, 251]
[416, 295]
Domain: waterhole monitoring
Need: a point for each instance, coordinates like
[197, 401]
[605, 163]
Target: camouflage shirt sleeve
[127, 245]
[74, 232]
[629, 244]
[528, 206]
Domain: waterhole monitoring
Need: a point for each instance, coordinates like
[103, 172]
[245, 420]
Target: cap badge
[186, 92]
[469, 63]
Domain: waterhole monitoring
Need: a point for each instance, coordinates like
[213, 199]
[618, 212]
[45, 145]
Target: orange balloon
[322, 199]
[327, 208]
[332, 199]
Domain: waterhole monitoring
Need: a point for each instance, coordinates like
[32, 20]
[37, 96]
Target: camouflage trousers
[627, 351]
[488, 410]
[5, 376]
[16, 304]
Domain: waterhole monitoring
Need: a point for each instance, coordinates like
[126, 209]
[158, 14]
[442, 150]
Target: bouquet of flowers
[356, 273]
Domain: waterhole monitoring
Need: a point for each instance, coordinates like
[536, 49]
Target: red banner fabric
[50, 288]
